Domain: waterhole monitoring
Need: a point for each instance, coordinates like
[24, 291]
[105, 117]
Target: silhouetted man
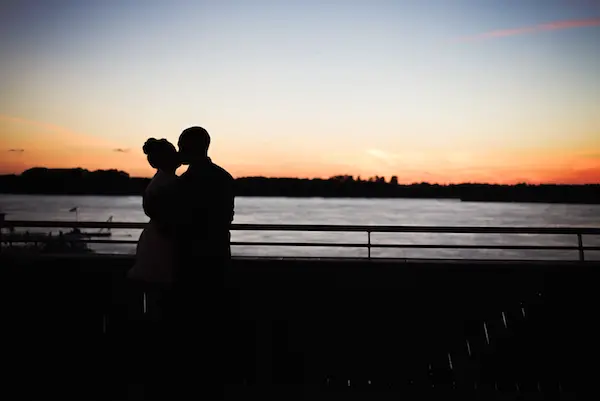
[208, 197]
[197, 212]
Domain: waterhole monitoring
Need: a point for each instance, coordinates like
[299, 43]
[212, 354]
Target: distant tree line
[113, 182]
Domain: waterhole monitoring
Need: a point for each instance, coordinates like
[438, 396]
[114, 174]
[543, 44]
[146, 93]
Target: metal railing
[367, 229]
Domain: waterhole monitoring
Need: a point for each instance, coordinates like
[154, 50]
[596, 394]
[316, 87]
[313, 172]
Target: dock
[326, 328]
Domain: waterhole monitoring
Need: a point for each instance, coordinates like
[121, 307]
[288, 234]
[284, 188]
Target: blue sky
[312, 87]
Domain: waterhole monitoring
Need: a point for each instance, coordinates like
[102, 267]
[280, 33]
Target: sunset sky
[428, 90]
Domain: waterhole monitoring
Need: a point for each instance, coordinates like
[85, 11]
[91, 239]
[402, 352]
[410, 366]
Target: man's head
[193, 145]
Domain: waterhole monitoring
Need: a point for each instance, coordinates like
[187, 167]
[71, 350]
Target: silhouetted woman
[154, 255]
[152, 278]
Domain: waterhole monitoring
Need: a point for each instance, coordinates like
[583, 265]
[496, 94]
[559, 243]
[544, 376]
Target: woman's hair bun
[159, 152]
[149, 145]
[152, 144]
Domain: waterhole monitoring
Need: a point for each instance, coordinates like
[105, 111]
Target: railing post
[580, 245]
[369, 244]
[2, 215]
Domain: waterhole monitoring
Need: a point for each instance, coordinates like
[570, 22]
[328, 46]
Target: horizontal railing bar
[69, 240]
[110, 256]
[337, 245]
[516, 247]
[133, 242]
[302, 244]
[324, 228]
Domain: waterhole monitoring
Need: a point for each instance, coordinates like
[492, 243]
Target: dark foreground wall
[319, 328]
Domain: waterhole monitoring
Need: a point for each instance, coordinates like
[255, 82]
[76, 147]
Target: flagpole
[76, 210]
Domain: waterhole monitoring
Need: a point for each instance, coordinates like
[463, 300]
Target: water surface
[421, 212]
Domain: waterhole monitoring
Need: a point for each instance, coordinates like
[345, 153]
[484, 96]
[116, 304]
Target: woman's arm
[163, 203]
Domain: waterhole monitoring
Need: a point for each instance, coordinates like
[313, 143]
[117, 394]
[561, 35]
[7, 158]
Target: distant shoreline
[72, 182]
[491, 200]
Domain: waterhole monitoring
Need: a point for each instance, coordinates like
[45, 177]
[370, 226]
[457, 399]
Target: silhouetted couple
[184, 251]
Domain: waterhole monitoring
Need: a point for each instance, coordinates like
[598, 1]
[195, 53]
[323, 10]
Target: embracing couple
[188, 236]
[184, 251]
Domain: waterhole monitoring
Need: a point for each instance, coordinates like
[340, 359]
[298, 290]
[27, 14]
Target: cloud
[549, 26]
[16, 150]
[386, 157]
[121, 150]
[412, 158]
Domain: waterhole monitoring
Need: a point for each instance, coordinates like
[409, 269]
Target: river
[423, 212]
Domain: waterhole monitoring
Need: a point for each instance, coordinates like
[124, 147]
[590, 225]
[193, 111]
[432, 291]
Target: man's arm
[226, 205]
[230, 196]
[210, 209]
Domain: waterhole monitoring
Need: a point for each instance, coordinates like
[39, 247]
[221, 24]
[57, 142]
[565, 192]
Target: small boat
[98, 234]
[45, 242]
[87, 234]
[93, 234]
[102, 233]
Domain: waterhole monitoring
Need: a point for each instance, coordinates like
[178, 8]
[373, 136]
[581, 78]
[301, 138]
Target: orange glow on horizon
[136, 166]
[25, 144]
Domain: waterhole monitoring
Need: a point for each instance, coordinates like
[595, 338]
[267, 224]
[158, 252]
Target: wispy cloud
[549, 26]
[421, 157]
[386, 157]
[16, 150]
[121, 150]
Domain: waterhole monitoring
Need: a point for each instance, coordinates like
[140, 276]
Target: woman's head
[161, 154]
